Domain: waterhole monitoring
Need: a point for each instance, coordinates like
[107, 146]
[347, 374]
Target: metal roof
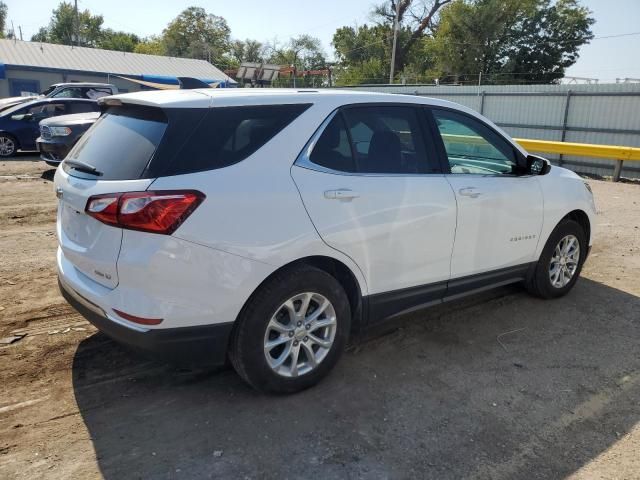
[49, 55]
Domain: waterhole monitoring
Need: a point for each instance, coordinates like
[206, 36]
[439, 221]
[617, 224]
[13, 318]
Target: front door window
[472, 148]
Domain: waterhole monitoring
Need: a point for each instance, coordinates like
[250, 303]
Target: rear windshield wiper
[83, 167]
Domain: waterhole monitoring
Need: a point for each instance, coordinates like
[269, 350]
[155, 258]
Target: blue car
[19, 125]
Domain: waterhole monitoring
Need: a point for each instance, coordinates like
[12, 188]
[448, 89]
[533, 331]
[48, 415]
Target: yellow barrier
[464, 139]
[612, 152]
[581, 149]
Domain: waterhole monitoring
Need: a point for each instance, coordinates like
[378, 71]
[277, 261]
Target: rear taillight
[156, 212]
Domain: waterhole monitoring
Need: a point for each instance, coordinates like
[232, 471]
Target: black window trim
[431, 149]
[442, 153]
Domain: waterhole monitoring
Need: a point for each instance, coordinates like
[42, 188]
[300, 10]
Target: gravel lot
[499, 386]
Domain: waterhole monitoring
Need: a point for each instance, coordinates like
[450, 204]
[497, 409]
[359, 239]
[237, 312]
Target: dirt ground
[498, 386]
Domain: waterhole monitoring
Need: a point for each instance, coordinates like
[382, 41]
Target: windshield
[48, 90]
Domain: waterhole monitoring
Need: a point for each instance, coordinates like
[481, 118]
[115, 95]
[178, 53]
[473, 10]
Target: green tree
[363, 54]
[42, 35]
[62, 27]
[197, 34]
[152, 45]
[4, 10]
[544, 45]
[417, 20]
[245, 51]
[510, 40]
[302, 53]
[121, 41]
[365, 51]
[371, 70]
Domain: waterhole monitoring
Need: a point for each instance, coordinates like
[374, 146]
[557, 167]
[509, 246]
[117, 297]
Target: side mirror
[537, 165]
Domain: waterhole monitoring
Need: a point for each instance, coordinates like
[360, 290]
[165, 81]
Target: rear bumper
[202, 345]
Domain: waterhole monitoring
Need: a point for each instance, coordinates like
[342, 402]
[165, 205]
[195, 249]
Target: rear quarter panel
[253, 209]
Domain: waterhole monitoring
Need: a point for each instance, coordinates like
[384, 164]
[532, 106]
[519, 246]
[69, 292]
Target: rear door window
[46, 110]
[121, 143]
[387, 139]
[384, 140]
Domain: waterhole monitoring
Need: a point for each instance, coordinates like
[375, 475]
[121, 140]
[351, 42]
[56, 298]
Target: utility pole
[20, 29]
[77, 23]
[396, 27]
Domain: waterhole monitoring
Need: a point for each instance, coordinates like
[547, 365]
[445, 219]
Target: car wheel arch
[577, 214]
[582, 219]
[338, 270]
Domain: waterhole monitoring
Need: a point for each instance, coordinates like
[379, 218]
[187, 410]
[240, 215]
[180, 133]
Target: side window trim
[444, 159]
[433, 142]
[303, 160]
[441, 152]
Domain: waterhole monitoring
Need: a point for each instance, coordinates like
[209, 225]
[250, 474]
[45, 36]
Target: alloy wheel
[300, 334]
[7, 146]
[564, 261]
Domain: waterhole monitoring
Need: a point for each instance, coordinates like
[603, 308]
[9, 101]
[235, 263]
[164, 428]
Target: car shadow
[500, 385]
[48, 174]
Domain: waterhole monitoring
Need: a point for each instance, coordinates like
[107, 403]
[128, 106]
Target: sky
[605, 58]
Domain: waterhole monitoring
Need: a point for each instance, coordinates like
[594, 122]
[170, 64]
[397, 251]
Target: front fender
[564, 192]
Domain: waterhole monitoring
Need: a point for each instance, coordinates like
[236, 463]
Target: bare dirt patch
[500, 385]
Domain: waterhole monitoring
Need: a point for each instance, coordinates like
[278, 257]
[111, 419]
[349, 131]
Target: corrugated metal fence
[602, 114]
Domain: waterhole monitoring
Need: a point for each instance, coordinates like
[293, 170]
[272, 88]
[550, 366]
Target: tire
[265, 320]
[541, 282]
[8, 145]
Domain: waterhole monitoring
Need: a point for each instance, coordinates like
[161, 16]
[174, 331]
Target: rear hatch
[114, 155]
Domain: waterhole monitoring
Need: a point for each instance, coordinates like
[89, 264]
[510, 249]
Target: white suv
[267, 226]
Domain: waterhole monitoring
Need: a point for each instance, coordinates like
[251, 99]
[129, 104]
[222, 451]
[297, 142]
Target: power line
[616, 35]
[540, 41]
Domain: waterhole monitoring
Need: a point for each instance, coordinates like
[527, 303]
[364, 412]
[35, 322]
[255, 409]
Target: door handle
[469, 192]
[341, 194]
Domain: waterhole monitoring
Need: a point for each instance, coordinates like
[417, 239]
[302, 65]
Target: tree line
[446, 41]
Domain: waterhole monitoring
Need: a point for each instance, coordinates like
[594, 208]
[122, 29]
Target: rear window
[121, 143]
[228, 135]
